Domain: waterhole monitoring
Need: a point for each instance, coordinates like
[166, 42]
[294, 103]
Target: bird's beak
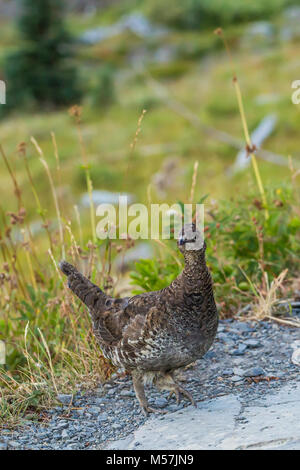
[181, 241]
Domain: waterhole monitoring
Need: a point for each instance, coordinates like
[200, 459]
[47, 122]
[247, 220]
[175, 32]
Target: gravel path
[250, 361]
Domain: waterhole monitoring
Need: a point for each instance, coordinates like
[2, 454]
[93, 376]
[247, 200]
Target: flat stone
[236, 378]
[127, 393]
[254, 372]
[227, 372]
[240, 351]
[252, 343]
[103, 417]
[243, 327]
[270, 422]
[65, 399]
[14, 444]
[191, 428]
[238, 371]
[62, 425]
[95, 410]
[160, 402]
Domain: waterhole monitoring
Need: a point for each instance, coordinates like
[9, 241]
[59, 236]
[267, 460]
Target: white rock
[296, 357]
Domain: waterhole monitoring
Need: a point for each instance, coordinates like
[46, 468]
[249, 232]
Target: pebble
[116, 426]
[238, 371]
[224, 337]
[240, 351]
[160, 402]
[175, 407]
[95, 410]
[227, 372]
[243, 327]
[254, 372]
[252, 343]
[102, 417]
[14, 444]
[62, 425]
[65, 399]
[236, 378]
[127, 393]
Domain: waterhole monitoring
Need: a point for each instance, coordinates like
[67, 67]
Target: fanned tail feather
[90, 294]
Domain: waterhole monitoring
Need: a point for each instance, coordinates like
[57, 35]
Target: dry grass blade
[194, 180]
[267, 299]
[45, 164]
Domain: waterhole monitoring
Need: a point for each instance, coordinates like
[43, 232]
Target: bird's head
[190, 239]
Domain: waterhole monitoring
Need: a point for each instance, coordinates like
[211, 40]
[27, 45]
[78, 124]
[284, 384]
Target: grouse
[152, 335]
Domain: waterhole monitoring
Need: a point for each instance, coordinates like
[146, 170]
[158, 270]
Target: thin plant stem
[45, 164]
[250, 147]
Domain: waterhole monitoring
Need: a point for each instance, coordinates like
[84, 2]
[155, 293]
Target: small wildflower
[76, 112]
[21, 148]
[258, 204]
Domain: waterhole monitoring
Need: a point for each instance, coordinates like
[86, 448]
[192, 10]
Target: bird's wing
[122, 318]
[144, 319]
[109, 322]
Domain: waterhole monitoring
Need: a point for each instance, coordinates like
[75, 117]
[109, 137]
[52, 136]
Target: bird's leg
[138, 385]
[168, 383]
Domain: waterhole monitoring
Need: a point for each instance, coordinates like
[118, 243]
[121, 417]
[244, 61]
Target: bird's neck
[195, 274]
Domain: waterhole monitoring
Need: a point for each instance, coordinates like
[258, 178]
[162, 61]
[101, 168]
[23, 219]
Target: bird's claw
[179, 390]
[148, 409]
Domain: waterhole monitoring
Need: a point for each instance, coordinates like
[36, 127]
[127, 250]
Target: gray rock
[240, 350]
[116, 426]
[65, 399]
[243, 327]
[238, 371]
[252, 343]
[95, 410]
[224, 337]
[175, 407]
[62, 425]
[254, 372]
[127, 393]
[160, 402]
[103, 417]
[14, 444]
[236, 378]
[135, 22]
[261, 29]
[140, 251]
[185, 429]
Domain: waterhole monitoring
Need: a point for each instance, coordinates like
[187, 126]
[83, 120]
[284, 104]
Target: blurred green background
[116, 58]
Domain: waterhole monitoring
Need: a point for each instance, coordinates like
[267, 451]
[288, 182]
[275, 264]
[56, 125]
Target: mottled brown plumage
[154, 334]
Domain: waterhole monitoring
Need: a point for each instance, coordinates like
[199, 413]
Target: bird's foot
[178, 391]
[148, 409]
